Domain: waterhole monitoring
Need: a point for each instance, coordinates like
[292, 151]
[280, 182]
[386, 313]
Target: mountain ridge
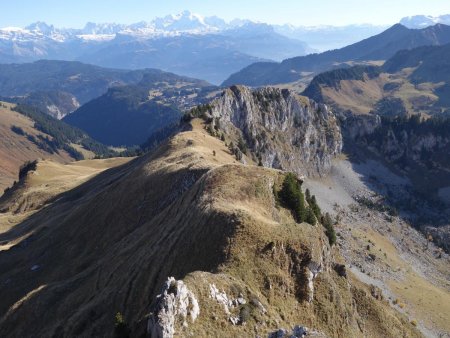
[417, 78]
[400, 112]
[378, 47]
[237, 226]
[29, 135]
[152, 45]
[130, 114]
[60, 87]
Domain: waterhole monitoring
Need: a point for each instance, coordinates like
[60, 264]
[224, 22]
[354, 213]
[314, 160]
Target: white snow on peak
[16, 34]
[422, 21]
[185, 22]
[96, 37]
[14, 29]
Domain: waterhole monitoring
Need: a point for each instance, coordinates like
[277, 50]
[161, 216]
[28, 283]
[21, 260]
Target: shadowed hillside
[128, 115]
[28, 134]
[188, 207]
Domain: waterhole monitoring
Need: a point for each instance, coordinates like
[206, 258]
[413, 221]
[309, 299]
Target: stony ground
[384, 250]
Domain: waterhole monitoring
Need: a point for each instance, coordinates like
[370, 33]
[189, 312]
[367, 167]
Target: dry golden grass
[109, 244]
[56, 176]
[361, 96]
[269, 274]
[358, 96]
[409, 93]
[17, 149]
[426, 302]
[87, 154]
[49, 180]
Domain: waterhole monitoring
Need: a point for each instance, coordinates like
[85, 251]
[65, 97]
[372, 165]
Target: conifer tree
[310, 217]
[329, 228]
[315, 207]
[307, 195]
[292, 197]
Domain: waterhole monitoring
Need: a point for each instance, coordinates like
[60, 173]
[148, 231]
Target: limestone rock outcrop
[357, 126]
[282, 129]
[174, 306]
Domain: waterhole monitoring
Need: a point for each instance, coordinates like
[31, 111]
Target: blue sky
[75, 13]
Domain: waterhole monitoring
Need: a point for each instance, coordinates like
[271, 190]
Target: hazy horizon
[294, 12]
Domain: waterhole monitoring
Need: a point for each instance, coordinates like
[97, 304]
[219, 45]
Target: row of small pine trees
[304, 207]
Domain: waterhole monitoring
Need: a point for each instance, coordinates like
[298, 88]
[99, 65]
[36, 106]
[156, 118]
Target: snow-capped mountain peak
[14, 29]
[102, 28]
[422, 21]
[17, 34]
[41, 27]
[185, 21]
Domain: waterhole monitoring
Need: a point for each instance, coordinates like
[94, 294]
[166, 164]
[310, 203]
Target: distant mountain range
[376, 48]
[119, 107]
[212, 57]
[125, 107]
[423, 21]
[188, 44]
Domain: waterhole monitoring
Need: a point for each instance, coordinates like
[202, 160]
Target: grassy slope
[355, 95]
[176, 212]
[63, 143]
[48, 180]
[361, 96]
[418, 77]
[16, 149]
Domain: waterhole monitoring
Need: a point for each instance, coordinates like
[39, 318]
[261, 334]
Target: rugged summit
[283, 130]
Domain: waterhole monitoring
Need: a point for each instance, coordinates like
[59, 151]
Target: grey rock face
[300, 331]
[412, 146]
[356, 126]
[283, 130]
[173, 306]
[394, 145]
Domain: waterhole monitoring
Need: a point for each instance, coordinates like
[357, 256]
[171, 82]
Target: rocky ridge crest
[281, 129]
